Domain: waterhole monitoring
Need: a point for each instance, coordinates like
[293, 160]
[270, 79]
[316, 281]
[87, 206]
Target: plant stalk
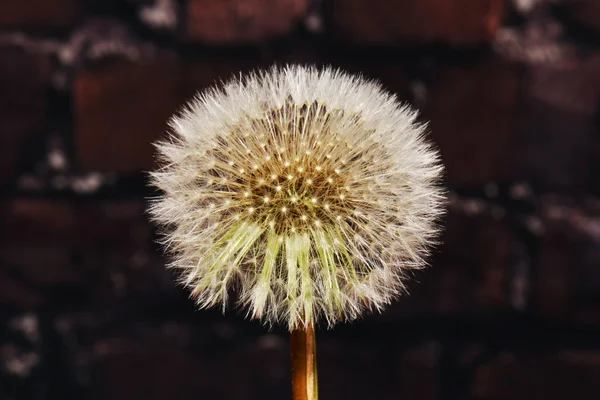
[304, 364]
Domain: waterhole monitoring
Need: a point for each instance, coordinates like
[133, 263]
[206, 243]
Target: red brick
[101, 251]
[473, 111]
[302, 50]
[373, 369]
[557, 123]
[113, 248]
[555, 375]
[125, 369]
[584, 12]
[38, 14]
[241, 21]
[151, 365]
[457, 22]
[565, 283]
[416, 372]
[260, 369]
[120, 109]
[38, 221]
[23, 83]
[205, 73]
[471, 271]
[392, 76]
[34, 253]
[17, 294]
[595, 170]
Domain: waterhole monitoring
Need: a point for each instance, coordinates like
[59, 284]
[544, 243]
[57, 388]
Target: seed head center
[295, 194]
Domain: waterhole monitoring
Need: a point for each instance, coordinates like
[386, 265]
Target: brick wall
[511, 306]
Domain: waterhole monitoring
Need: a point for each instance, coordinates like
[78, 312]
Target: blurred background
[510, 308]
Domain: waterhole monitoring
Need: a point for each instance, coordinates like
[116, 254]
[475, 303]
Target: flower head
[309, 193]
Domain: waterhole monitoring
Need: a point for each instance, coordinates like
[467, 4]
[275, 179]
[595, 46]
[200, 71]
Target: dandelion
[310, 194]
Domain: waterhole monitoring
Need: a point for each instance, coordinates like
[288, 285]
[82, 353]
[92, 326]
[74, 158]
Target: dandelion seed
[355, 150]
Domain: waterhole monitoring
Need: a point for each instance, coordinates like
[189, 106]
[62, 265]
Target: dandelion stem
[304, 364]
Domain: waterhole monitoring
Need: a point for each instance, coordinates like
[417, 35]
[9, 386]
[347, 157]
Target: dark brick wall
[510, 308]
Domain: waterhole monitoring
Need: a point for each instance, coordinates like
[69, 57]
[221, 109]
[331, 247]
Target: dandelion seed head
[308, 193]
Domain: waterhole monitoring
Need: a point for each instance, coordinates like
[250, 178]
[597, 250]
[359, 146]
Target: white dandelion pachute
[311, 191]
